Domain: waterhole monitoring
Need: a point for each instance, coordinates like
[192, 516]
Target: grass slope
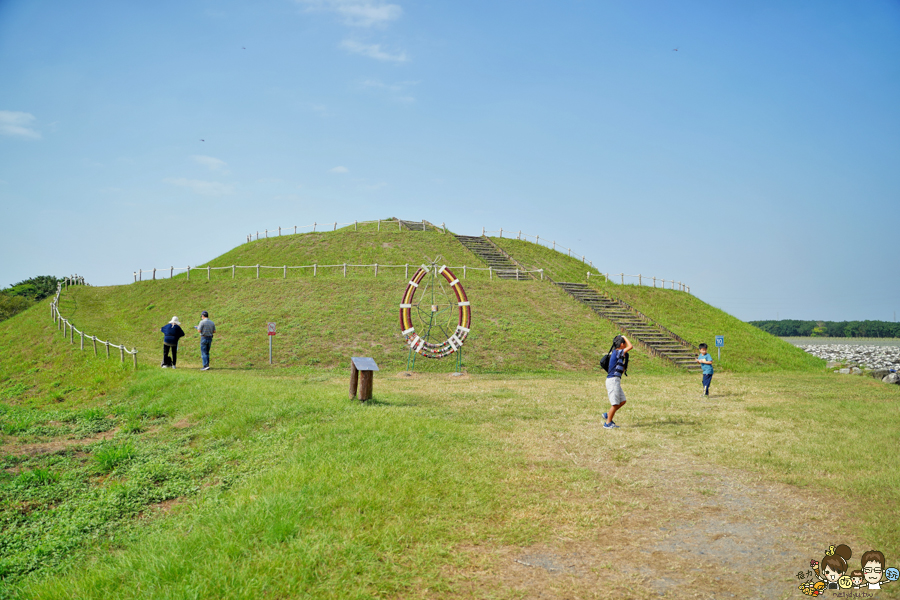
[517, 326]
[747, 348]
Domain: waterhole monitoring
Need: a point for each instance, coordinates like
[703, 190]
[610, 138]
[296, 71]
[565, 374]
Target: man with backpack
[616, 367]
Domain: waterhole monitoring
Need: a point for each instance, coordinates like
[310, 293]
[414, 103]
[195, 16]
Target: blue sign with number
[720, 341]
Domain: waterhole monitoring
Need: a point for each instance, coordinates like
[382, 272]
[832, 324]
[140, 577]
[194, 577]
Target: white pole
[407, 271]
[345, 269]
[285, 272]
[295, 230]
[279, 231]
[376, 270]
[640, 281]
[315, 268]
[623, 278]
[482, 232]
[314, 227]
[501, 232]
[379, 225]
[171, 271]
[232, 271]
[335, 226]
[257, 271]
[140, 277]
[154, 273]
[490, 273]
[464, 271]
[207, 272]
[189, 273]
[355, 225]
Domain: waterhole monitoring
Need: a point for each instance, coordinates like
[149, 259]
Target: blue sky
[758, 163]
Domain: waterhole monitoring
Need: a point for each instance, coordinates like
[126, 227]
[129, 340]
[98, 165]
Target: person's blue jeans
[707, 380]
[205, 343]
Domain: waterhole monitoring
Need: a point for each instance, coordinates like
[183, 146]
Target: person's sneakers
[610, 426]
[205, 369]
[604, 418]
[165, 366]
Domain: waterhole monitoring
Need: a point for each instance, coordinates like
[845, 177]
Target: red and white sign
[271, 327]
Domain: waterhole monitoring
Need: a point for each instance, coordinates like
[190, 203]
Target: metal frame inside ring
[455, 341]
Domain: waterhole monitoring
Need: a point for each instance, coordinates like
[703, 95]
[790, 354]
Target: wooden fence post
[257, 271]
[171, 271]
[267, 234]
[285, 272]
[444, 227]
[542, 274]
[189, 273]
[376, 270]
[134, 357]
[355, 225]
[335, 226]
[154, 273]
[464, 271]
[295, 230]
[94, 338]
[315, 268]
[140, 277]
[379, 225]
[623, 278]
[640, 281]
[554, 244]
[122, 353]
[279, 232]
[314, 226]
[490, 273]
[232, 271]
[520, 235]
[407, 271]
[345, 269]
[81, 333]
[107, 349]
[207, 272]
[501, 232]
[399, 225]
[482, 232]
[135, 276]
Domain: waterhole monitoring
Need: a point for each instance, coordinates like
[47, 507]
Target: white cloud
[358, 13]
[213, 164]
[339, 170]
[17, 124]
[373, 51]
[204, 188]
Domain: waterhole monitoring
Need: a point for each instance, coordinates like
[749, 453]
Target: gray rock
[844, 371]
[892, 378]
[879, 373]
[832, 364]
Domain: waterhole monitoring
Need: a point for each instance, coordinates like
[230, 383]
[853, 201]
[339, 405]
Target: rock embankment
[870, 357]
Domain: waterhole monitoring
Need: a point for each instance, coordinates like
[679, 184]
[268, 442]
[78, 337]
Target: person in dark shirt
[618, 364]
[172, 332]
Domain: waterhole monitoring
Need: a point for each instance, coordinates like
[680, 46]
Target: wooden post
[640, 281]
[554, 244]
[122, 353]
[171, 272]
[490, 273]
[154, 273]
[295, 230]
[423, 224]
[444, 227]
[285, 272]
[482, 232]
[399, 225]
[407, 271]
[464, 271]
[355, 225]
[542, 274]
[517, 273]
[654, 282]
[135, 276]
[520, 235]
[81, 333]
[335, 226]
[107, 349]
[94, 338]
[365, 385]
[345, 269]
[267, 234]
[140, 277]
[623, 278]
[71, 334]
[376, 269]
[279, 232]
[315, 268]
[314, 227]
[257, 271]
[134, 357]
[232, 271]
[582, 259]
[379, 225]
[354, 380]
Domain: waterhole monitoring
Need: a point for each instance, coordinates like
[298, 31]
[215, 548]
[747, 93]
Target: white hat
[175, 320]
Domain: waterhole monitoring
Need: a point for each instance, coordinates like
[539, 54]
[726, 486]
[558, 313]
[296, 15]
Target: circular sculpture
[431, 313]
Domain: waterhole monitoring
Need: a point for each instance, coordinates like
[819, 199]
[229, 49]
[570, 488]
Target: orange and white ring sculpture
[455, 341]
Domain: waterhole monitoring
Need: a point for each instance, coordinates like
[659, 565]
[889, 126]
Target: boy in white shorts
[618, 362]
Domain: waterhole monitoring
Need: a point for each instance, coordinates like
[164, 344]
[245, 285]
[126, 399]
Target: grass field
[249, 483]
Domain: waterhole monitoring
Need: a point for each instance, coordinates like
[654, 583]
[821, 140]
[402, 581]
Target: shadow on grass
[666, 423]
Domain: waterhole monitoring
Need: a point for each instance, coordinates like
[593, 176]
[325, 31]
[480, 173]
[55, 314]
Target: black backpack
[604, 362]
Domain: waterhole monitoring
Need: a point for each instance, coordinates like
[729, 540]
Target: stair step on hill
[500, 264]
[640, 327]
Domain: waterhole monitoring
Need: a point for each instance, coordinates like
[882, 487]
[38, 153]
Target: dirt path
[650, 523]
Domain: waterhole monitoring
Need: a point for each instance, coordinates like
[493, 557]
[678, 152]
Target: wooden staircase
[501, 263]
[657, 339]
[418, 225]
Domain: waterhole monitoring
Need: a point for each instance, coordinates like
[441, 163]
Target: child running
[705, 361]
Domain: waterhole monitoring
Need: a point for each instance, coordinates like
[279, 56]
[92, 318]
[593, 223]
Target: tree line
[794, 328]
[20, 296]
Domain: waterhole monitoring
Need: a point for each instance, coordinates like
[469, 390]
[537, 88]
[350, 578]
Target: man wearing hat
[207, 329]
[172, 332]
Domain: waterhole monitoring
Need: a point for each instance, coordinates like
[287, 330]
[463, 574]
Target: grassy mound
[517, 326]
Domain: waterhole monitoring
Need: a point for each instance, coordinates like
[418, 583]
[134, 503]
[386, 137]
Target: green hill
[332, 312]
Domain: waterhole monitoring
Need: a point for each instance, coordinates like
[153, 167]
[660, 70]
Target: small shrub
[134, 424]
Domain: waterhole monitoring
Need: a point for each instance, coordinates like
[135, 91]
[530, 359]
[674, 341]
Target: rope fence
[641, 279]
[139, 274]
[387, 224]
[69, 330]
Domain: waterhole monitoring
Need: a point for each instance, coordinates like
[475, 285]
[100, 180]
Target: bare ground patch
[55, 445]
